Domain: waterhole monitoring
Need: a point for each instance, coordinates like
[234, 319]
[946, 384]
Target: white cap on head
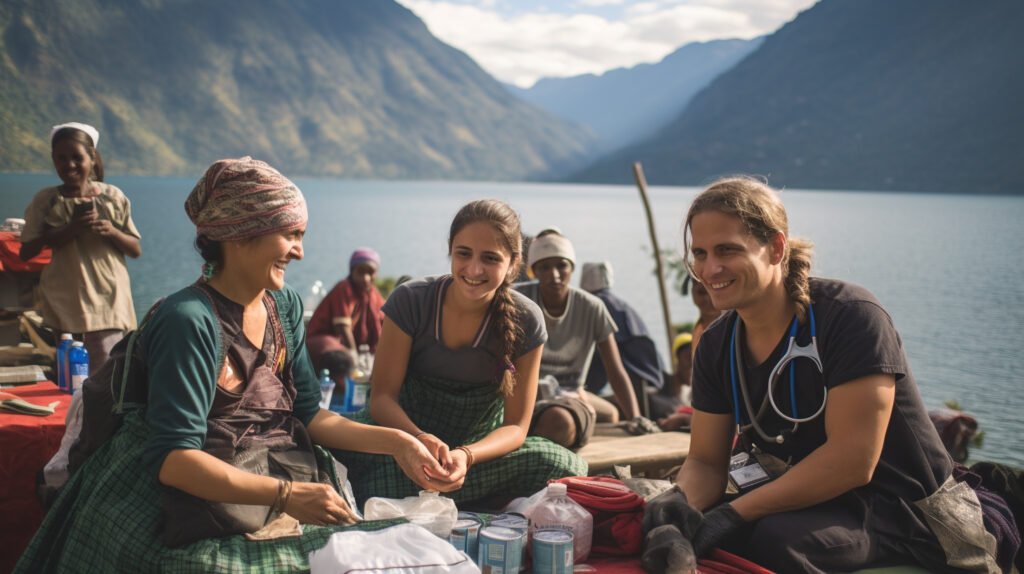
[549, 230]
[552, 245]
[596, 276]
[91, 131]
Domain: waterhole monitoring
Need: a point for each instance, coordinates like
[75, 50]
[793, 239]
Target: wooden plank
[649, 455]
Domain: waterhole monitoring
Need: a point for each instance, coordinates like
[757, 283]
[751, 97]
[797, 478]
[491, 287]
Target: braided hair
[759, 209]
[505, 221]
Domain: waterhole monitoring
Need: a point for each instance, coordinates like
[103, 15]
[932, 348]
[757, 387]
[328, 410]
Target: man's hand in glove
[671, 507]
[666, 551]
[718, 524]
[641, 425]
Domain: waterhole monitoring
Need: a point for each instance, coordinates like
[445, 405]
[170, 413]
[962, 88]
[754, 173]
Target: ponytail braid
[798, 270]
[506, 321]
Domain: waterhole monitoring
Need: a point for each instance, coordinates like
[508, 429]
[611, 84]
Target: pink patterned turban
[242, 198]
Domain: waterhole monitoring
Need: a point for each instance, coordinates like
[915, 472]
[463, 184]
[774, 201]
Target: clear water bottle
[78, 365]
[557, 511]
[316, 294]
[63, 375]
[365, 361]
[326, 389]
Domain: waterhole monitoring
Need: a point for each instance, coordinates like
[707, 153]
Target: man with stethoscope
[836, 466]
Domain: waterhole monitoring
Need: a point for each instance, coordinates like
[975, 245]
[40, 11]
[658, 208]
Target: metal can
[518, 522]
[465, 535]
[501, 550]
[552, 551]
[511, 520]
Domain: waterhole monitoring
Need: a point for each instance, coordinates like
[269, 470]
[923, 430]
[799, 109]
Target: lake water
[948, 268]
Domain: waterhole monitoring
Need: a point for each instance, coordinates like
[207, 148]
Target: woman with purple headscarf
[349, 316]
[223, 445]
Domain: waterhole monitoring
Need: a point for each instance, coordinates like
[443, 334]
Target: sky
[521, 41]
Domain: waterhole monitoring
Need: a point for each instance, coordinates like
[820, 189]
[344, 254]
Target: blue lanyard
[793, 352]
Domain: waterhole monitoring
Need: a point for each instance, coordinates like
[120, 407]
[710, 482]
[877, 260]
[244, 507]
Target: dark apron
[255, 432]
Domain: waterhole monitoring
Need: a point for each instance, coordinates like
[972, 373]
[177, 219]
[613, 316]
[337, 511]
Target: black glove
[666, 551]
[671, 507]
[641, 425]
[719, 523]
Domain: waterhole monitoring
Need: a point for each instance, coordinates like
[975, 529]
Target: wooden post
[641, 183]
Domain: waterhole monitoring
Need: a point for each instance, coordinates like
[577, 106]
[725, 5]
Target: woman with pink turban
[226, 448]
[349, 316]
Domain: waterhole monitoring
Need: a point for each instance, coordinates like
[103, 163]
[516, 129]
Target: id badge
[746, 473]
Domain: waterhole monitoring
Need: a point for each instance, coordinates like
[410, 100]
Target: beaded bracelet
[469, 455]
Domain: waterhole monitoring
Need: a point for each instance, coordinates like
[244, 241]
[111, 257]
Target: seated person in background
[636, 349]
[576, 321]
[677, 384]
[348, 316]
[457, 368]
[706, 310]
[861, 478]
[224, 443]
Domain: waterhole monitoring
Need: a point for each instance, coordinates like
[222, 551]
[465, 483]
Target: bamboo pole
[641, 183]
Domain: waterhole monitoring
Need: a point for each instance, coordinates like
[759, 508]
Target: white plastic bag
[401, 549]
[430, 510]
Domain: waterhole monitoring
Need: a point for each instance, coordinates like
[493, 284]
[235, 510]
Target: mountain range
[868, 94]
[921, 95]
[626, 105]
[315, 87]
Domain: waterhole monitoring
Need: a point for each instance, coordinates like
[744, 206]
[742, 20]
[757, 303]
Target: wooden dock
[651, 455]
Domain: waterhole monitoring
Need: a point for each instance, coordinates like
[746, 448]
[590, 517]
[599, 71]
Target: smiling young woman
[457, 369]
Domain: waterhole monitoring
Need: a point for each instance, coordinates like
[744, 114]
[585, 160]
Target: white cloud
[600, 2]
[522, 47]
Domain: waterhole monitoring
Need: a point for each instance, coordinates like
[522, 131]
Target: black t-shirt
[855, 338]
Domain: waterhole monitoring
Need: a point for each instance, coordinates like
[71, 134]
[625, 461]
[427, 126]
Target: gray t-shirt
[414, 306]
[572, 336]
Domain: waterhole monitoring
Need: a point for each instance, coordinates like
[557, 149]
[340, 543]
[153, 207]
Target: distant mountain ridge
[314, 87]
[626, 105]
[874, 94]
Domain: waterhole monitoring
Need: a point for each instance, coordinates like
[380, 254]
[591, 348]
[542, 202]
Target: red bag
[618, 513]
[722, 562]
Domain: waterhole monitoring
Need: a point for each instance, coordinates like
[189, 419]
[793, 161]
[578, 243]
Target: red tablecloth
[10, 245]
[26, 444]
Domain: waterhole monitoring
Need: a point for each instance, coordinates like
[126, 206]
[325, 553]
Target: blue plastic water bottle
[78, 365]
[63, 376]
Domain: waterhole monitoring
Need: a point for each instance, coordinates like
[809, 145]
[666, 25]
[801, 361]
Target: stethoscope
[793, 352]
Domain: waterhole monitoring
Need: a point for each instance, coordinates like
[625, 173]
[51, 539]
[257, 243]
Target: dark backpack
[119, 386]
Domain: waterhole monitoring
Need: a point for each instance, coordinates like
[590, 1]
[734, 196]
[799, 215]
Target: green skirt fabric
[460, 414]
[109, 518]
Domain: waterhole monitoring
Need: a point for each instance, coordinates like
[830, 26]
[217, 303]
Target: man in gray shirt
[576, 321]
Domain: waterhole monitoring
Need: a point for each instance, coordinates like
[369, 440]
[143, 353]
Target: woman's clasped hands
[444, 470]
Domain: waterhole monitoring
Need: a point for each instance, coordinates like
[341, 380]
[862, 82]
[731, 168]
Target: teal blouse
[184, 352]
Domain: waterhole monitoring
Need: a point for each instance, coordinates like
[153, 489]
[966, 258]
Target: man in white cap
[576, 321]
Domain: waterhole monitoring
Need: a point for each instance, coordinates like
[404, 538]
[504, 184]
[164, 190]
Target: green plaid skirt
[109, 518]
[458, 414]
